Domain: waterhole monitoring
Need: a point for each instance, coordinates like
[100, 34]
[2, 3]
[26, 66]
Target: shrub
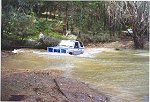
[46, 42]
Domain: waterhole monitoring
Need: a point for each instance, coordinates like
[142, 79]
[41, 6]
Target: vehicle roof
[67, 42]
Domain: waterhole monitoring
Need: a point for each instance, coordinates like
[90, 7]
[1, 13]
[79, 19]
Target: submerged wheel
[70, 53]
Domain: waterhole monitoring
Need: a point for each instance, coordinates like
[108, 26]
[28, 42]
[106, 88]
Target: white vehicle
[72, 47]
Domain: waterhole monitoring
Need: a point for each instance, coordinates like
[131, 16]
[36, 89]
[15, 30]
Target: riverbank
[116, 44]
[5, 53]
[48, 86]
[124, 44]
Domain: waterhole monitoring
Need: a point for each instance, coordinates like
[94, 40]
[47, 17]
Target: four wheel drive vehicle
[72, 47]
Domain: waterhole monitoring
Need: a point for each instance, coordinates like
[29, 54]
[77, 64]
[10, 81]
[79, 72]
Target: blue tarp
[57, 50]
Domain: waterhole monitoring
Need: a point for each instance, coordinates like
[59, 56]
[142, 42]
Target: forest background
[89, 21]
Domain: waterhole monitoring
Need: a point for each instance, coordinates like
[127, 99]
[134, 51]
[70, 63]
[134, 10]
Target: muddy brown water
[123, 75]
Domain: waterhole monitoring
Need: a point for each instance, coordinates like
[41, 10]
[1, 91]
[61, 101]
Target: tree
[134, 15]
[17, 19]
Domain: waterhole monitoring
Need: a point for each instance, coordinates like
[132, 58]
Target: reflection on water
[121, 74]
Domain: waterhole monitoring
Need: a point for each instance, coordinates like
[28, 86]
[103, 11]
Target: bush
[29, 43]
[11, 44]
[6, 44]
[46, 42]
[56, 35]
[97, 37]
[85, 38]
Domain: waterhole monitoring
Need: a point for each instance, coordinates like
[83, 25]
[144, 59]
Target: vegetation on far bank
[90, 21]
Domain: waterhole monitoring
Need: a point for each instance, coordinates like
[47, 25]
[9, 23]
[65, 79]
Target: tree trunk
[138, 42]
[46, 13]
[66, 19]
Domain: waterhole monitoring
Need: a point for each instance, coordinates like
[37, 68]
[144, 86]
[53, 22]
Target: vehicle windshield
[76, 45]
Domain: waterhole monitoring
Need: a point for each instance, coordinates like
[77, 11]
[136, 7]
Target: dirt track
[46, 87]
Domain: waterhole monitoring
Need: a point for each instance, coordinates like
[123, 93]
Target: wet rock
[6, 53]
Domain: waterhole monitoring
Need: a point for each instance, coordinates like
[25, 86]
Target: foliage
[16, 25]
[91, 21]
[134, 15]
[47, 28]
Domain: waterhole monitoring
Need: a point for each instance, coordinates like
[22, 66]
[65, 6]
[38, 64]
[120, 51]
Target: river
[123, 75]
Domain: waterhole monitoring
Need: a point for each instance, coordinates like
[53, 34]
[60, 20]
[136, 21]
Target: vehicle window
[76, 45]
[81, 44]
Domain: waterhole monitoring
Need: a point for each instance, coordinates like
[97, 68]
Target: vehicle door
[81, 47]
[76, 49]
